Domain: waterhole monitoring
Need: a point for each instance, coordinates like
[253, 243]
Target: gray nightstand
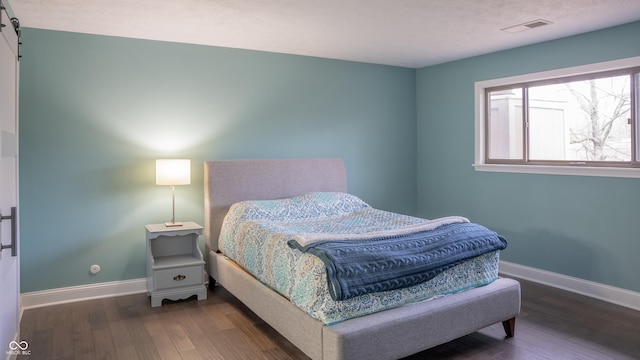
[175, 266]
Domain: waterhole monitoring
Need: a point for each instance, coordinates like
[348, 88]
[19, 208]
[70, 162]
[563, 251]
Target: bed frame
[389, 334]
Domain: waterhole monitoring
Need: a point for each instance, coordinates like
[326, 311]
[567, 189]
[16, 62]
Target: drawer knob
[179, 277]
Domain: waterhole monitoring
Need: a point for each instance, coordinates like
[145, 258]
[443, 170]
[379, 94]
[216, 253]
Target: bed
[391, 333]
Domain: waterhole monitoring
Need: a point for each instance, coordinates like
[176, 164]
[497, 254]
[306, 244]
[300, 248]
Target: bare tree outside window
[589, 118]
[606, 104]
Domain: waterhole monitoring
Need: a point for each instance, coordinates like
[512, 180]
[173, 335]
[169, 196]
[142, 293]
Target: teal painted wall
[585, 227]
[96, 111]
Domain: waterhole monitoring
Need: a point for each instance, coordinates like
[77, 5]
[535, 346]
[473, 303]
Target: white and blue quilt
[304, 247]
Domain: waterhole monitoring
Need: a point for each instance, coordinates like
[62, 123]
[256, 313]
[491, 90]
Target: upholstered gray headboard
[229, 181]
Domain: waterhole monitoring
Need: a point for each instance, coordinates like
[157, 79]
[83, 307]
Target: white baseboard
[65, 295]
[599, 291]
[612, 294]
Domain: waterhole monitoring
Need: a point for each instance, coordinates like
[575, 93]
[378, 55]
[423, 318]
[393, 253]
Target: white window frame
[480, 130]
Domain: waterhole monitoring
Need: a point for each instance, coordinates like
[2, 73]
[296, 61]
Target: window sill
[561, 170]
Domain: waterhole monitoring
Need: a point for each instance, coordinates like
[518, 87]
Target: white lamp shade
[173, 172]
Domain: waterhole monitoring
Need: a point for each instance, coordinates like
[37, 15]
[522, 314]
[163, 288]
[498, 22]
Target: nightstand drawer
[178, 277]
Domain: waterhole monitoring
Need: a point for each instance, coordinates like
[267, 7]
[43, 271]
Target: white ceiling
[408, 33]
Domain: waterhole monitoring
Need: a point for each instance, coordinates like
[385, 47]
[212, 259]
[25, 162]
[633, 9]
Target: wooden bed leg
[212, 283]
[509, 327]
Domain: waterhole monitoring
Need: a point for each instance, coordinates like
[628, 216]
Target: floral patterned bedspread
[255, 235]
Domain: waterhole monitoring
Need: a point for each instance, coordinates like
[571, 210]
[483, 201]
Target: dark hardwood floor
[553, 324]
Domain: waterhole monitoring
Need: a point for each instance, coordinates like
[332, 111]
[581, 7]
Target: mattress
[255, 235]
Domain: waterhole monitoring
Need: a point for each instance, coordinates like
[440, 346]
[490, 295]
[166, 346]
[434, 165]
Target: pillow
[305, 206]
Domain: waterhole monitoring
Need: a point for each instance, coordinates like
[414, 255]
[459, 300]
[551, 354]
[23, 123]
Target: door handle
[14, 220]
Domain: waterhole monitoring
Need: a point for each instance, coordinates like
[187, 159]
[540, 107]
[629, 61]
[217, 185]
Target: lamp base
[172, 224]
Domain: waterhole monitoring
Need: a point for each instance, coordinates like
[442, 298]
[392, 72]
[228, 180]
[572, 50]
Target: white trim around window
[480, 137]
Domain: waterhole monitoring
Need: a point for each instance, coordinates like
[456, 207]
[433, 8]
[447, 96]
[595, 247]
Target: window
[565, 121]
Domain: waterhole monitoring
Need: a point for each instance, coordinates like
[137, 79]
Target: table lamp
[173, 172]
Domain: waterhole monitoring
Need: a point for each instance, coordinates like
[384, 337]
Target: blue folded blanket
[357, 267]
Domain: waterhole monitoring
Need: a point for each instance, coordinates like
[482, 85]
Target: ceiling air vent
[526, 26]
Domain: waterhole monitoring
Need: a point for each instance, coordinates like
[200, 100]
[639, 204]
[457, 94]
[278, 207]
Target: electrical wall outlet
[94, 269]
